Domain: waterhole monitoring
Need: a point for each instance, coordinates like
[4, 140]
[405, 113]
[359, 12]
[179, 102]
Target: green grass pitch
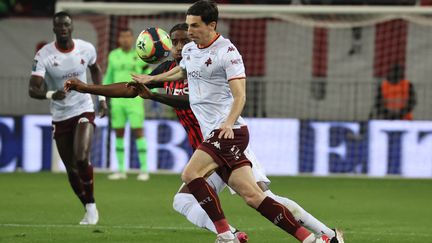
[42, 208]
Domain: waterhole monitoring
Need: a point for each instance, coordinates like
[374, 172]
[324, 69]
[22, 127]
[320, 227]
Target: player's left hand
[142, 78]
[226, 131]
[103, 109]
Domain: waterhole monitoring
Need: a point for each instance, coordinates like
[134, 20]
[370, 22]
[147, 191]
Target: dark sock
[279, 215]
[209, 201]
[75, 182]
[86, 175]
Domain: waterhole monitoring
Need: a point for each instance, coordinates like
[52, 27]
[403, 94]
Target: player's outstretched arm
[116, 90]
[38, 90]
[176, 101]
[172, 75]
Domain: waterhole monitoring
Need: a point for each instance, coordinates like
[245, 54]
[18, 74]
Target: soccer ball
[153, 45]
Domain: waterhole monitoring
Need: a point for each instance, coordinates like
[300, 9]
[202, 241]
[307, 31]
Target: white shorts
[257, 169]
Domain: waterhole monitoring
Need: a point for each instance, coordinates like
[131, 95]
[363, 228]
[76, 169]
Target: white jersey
[208, 71]
[56, 67]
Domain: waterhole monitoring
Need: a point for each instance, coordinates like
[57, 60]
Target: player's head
[179, 38]
[125, 38]
[396, 73]
[202, 19]
[62, 26]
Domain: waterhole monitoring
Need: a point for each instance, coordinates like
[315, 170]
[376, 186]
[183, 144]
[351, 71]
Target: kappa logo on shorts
[236, 152]
[216, 144]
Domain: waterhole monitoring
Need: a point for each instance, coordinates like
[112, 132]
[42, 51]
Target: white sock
[188, 206]
[303, 217]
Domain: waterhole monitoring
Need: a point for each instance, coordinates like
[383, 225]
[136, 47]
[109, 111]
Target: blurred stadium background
[313, 70]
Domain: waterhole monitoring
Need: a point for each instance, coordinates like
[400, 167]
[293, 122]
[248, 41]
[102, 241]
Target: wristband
[49, 94]
[101, 98]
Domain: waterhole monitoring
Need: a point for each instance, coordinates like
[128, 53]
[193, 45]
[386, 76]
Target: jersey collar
[211, 42]
[67, 50]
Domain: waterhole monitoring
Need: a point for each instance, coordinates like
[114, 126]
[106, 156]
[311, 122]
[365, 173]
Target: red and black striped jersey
[185, 115]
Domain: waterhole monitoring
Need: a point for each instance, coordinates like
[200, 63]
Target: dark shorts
[68, 126]
[227, 153]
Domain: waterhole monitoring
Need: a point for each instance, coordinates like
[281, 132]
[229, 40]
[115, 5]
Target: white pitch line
[187, 228]
[97, 226]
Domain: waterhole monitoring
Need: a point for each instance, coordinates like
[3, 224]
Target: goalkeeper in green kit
[121, 63]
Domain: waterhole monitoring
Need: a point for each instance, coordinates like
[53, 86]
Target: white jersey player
[216, 80]
[73, 112]
[57, 66]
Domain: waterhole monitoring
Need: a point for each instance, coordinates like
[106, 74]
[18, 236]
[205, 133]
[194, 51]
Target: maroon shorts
[227, 153]
[68, 126]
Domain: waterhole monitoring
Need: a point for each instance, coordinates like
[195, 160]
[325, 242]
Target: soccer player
[184, 202]
[216, 78]
[177, 96]
[121, 62]
[72, 113]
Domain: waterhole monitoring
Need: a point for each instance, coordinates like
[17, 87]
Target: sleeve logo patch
[35, 62]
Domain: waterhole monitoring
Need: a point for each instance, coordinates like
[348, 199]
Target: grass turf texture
[42, 208]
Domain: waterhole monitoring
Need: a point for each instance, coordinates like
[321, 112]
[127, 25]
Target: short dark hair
[181, 26]
[207, 9]
[61, 14]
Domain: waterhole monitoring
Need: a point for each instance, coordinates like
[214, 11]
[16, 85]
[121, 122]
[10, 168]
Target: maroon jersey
[185, 115]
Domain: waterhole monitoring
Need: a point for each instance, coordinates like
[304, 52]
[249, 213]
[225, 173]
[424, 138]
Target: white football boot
[226, 237]
[91, 217]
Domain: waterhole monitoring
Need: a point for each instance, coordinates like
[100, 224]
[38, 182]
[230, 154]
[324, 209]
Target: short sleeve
[182, 64]
[38, 67]
[232, 62]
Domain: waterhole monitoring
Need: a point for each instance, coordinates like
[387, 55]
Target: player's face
[126, 40]
[179, 38]
[63, 28]
[198, 31]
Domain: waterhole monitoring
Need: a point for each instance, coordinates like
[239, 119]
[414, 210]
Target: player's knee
[188, 176]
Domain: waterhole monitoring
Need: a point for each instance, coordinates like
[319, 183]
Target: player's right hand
[142, 78]
[73, 84]
[59, 95]
[141, 89]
